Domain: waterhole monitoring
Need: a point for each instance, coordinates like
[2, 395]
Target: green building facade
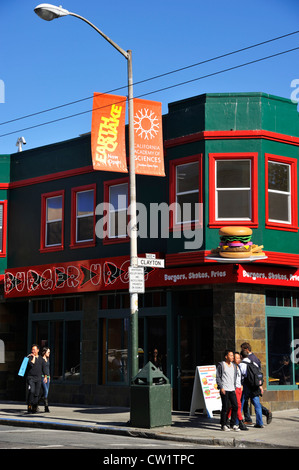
[233, 159]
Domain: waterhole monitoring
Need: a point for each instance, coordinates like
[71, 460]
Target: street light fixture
[49, 12]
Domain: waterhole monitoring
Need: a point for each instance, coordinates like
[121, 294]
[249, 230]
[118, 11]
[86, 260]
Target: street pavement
[281, 433]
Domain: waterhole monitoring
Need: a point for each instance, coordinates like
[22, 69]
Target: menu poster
[205, 394]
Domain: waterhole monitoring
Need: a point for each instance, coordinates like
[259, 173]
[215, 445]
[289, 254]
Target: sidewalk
[283, 432]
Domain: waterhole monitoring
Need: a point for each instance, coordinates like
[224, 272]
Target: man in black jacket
[34, 378]
[247, 348]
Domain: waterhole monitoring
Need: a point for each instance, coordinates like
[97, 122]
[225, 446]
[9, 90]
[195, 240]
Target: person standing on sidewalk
[46, 377]
[239, 390]
[247, 347]
[34, 378]
[226, 377]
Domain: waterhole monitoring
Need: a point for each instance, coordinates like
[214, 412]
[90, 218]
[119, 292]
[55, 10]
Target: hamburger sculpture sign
[236, 245]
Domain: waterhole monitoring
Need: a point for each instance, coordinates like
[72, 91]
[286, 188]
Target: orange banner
[108, 146]
[149, 157]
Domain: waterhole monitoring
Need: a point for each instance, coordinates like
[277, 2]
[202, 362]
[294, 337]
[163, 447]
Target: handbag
[23, 367]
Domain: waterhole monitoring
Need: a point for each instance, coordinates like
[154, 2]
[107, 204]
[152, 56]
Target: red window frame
[75, 191]
[293, 226]
[107, 184]
[3, 248]
[173, 164]
[43, 247]
[213, 158]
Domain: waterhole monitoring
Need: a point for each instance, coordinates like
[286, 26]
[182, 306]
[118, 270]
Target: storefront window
[52, 327]
[117, 350]
[295, 349]
[282, 310]
[72, 351]
[56, 345]
[115, 329]
[279, 342]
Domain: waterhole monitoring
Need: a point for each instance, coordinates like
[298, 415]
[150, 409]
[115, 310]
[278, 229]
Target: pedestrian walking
[34, 378]
[239, 390]
[226, 377]
[46, 376]
[247, 347]
[249, 391]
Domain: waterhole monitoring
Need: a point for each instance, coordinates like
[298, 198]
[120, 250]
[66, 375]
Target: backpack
[255, 376]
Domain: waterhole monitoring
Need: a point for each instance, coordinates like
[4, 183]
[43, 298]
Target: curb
[213, 442]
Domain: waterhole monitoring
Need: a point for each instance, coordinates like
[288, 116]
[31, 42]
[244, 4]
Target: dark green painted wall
[211, 112]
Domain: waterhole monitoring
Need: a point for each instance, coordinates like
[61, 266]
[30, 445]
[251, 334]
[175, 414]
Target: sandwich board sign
[205, 394]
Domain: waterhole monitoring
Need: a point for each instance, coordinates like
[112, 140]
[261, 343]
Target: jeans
[256, 403]
[46, 387]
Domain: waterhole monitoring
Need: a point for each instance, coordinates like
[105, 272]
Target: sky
[46, 65]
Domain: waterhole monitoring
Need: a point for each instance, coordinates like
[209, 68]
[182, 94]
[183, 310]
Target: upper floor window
[3, 225]
[83, 216]
[116, 195]
[185, 191]
[233, 189]
[281, 192]
[52, 221]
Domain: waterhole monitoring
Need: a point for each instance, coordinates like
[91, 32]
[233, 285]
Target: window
[116, 195]
[56, 324]
[83, 216]
[3, 228]
[281, 193]
[282, 321]
[52, 221]
[114, 348]
[279, 351]
[185, 191]
[233, 189]
[114, 330]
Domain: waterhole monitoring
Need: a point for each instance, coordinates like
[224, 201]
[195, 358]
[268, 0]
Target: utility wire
[155, 77]
[161, 89]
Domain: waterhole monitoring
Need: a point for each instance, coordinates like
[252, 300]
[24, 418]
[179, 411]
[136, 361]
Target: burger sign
[236, 244]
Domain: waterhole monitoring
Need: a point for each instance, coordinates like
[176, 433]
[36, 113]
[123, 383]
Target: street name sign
[151, 261]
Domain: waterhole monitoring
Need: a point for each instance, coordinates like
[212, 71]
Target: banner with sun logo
[108, 146]
[149, 156]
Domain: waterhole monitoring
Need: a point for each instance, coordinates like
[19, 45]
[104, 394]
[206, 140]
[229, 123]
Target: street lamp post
[49, 12]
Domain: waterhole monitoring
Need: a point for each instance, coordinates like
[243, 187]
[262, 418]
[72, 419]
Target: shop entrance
[194, 341]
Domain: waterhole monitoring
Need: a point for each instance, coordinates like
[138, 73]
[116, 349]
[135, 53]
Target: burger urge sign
[235, 244]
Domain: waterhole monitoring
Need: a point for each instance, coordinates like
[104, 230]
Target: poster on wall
[205, 394]
[108, 146]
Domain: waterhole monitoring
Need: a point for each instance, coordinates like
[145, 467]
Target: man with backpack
[252, 383]
[246, 347]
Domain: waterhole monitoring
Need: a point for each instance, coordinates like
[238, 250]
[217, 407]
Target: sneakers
[225, 428]
[232, 428]
[235, 428]
[258, 425]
